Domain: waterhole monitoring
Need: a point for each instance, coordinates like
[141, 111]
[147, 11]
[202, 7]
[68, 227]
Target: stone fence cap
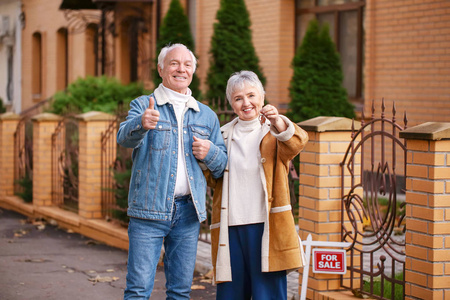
[427, 131]
[95, 116]
[9, 116]
[46, 117]
[323, 124]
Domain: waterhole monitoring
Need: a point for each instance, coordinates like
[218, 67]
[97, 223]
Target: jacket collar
[162, 98]
[227, 129]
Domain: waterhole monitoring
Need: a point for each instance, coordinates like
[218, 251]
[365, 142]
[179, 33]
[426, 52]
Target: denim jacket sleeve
[216, 159]
[131, 133]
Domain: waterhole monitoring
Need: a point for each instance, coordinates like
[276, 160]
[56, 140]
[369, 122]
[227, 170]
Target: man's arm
[212, 153]
[131, 131]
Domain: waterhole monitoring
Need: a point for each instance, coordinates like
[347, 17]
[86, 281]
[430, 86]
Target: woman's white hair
[168, 48]
[239, 80]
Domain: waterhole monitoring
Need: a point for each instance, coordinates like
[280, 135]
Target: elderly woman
[254, 240]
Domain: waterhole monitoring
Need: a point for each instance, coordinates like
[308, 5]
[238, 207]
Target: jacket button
[263, 160]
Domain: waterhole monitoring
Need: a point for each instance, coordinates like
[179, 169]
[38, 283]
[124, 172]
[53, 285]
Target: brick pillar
[320, 189]
[44, 126]
[8, 126]
[427, 265]
[90, 126]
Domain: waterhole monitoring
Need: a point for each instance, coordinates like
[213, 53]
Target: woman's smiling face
[247, 102]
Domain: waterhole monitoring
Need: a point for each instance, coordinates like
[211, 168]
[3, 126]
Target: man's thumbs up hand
[151, 116]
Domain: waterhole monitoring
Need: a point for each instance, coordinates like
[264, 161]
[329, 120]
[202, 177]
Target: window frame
[336, 9]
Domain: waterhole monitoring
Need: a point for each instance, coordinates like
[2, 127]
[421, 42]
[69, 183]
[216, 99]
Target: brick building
[397, 50]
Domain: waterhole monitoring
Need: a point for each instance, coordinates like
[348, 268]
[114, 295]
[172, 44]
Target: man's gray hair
[239, 80]
[168, 48]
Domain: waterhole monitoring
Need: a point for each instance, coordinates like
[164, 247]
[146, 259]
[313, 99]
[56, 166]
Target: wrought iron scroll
[65, 165]
[371, 212]
[115, 173]
[23, 156]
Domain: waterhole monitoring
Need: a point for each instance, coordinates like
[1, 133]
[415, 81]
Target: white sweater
[246, 202]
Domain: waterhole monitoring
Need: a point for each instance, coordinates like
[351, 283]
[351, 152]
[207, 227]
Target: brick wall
[427, 214]
[407, 58]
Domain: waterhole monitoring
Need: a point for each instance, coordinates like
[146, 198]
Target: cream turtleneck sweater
[246, 201]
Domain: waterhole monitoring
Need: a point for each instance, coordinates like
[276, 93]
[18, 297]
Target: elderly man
[174, 137]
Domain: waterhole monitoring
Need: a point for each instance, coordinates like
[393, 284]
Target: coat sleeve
[291, 141]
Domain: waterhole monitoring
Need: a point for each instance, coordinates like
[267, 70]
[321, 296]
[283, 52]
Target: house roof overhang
[91, 4]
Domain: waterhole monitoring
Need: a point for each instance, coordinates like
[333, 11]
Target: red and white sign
[331, 261]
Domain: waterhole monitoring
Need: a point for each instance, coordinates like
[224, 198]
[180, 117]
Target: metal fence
[65, 164]
[375, 225]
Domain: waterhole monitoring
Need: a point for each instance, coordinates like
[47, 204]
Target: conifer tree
[231, 48]
[316, 85]
[175, 28]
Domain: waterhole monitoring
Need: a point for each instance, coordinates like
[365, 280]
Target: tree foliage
[175, 28]
[231, 48]
[2, 106]
[95, 94]
[316, 86]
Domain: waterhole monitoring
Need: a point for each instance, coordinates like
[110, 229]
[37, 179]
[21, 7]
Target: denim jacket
[155, 153]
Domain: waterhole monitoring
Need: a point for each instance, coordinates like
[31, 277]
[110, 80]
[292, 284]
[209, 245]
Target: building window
[345, 20]
[36, 73]
[92, 60]
[62, 60]
[9, 84]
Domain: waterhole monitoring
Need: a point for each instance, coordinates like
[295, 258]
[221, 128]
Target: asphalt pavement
[41, 261]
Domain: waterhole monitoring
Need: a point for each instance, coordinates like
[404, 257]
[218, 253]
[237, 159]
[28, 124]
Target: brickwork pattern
[90, 193]
[407, 58]
[43, 127]
[428, 208]
[8, 125]
[320, 193]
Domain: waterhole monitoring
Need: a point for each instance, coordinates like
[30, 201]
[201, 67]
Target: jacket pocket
[160, 136]
[201, 132]
[283, 235]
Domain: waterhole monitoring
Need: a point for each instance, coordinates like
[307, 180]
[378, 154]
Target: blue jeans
[180, 237]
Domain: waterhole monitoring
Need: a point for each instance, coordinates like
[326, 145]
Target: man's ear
[159, 71]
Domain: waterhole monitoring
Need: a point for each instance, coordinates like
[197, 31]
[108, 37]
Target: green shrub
[122, 177]
[95, 94]
[231, 49]
[2, 106]
[316, 86]
[26, 184]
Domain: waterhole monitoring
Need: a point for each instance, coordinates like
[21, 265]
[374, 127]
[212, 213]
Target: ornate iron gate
[372, 213]
[23, 159]
[65, 165]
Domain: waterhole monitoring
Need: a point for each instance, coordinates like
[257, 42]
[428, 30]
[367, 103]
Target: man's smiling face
[178, 70]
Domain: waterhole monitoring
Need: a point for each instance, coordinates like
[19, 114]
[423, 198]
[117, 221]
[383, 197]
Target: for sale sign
[331, 261]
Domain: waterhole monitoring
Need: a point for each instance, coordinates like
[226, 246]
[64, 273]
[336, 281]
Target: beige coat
[281, 245]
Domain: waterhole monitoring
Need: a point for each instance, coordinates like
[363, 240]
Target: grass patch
[398, 289]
